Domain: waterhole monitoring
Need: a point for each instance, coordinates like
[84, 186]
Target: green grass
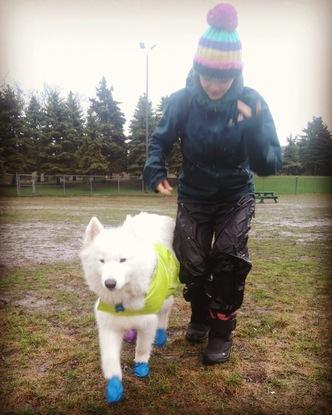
[281, 354]
[79, 210]
[69, 191]
[282, 185]
[294, 185]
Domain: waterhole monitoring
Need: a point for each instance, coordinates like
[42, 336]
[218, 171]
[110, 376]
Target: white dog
[134, 271]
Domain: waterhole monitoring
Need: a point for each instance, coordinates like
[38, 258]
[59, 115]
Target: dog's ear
[92, 230]
[128, 218]
[127, 222]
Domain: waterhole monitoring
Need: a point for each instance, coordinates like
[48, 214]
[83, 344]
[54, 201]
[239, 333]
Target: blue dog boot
[160, 338]
[141, 369]
[114, 390]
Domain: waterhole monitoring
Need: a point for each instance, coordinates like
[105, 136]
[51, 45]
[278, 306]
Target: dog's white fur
[125, 255]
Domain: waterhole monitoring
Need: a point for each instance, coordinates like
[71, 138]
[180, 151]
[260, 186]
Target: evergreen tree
[174, 160]
[34, 124]
[56, 151]
[109, 122]
[89, 155]
[13, 144]
[74, 131]
[161, 108]
[316, 148]
[137, 136]
[291, 157]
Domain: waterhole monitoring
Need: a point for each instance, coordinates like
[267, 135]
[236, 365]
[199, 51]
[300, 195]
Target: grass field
[280, 184]
[49, 350]
[290, 185]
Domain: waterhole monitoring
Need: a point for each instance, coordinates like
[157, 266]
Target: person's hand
[164, 187]
[245, 111]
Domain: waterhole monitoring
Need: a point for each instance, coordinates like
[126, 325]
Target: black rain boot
[220, 341]
[197, 332]
[198, 328]
[218, 350]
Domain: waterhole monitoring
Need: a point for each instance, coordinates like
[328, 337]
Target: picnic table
[266, 195]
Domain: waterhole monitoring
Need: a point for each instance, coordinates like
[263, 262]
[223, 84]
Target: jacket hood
[200, 95]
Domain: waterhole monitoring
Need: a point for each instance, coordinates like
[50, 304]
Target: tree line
[49, 134]
[309, 153]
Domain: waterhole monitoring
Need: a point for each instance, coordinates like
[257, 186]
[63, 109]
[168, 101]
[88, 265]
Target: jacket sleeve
[162, 140]
[261, 141]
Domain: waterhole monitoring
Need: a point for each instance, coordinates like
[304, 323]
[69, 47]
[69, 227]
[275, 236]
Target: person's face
[215, 88]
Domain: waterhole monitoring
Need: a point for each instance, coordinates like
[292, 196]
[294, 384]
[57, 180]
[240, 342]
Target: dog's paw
[114, 390]
[160, 338]
[141, 369]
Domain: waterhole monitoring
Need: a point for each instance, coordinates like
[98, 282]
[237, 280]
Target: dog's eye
[102, 261]
[123, 259]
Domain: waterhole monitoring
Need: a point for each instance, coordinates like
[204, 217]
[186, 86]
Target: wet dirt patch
[31, 301]
[39, 243]
[57, 235]
[306, 219]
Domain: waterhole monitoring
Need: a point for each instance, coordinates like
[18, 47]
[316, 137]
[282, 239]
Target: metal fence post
[34, 177]
[64, 184]
[296, 184]
[18, 184]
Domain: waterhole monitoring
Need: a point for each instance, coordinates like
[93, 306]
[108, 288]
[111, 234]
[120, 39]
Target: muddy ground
[49, 344]
[46, 230]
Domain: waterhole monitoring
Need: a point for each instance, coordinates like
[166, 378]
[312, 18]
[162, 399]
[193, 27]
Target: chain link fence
[84, 185]
[70, 185]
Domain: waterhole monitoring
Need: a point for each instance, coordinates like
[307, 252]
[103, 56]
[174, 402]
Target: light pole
[147, 49]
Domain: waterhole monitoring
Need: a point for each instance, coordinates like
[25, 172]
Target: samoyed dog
[133, 270]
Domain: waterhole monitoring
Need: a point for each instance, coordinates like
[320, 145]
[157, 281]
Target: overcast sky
[71, 44]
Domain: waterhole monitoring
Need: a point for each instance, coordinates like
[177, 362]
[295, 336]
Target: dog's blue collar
[119, 308]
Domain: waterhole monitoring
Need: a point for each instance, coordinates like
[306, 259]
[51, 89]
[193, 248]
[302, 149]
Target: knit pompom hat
[219, 49]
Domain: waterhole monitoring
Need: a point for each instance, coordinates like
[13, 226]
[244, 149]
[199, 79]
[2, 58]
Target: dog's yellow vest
[163, 283]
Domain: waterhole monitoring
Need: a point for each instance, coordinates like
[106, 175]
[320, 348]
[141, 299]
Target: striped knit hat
[219, 49]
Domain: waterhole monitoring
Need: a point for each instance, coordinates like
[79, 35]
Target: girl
[226, 132]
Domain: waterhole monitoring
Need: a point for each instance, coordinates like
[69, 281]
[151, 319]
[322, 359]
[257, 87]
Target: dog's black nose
[110, 284]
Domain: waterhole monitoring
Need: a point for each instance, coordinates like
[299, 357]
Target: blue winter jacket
[219, 153]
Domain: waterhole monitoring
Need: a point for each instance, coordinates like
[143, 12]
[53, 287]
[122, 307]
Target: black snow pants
[210, 242]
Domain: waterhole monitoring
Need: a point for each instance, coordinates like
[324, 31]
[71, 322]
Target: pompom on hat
[219, 52]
